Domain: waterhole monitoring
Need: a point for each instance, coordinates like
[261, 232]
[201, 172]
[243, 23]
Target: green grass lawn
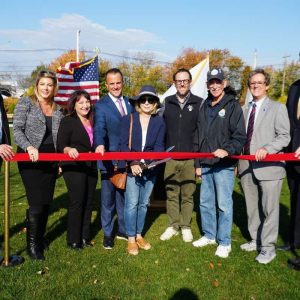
[170, 270]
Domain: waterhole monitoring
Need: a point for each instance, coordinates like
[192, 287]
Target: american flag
[77, 76]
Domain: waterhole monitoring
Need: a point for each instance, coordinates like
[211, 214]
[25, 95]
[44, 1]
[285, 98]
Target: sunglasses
[150, 100]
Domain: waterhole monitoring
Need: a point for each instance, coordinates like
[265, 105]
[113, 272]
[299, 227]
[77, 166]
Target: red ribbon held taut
[145, 155]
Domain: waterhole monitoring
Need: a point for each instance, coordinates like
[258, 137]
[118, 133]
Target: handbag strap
[130, 132]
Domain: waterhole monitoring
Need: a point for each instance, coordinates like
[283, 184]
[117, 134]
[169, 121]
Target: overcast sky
[162, 27]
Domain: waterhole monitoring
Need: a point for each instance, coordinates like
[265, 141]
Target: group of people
[184, 123]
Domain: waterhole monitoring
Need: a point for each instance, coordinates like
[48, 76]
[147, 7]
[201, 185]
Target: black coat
[181, 123]
[292, 106]
[71, 133]
[5, 127]
[225, 131]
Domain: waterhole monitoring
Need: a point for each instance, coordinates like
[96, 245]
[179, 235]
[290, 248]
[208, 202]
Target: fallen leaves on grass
[44, 271]
[216, 283]
[211, 265]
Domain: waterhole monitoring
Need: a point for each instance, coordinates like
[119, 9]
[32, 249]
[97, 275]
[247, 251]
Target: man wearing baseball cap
[220, 131]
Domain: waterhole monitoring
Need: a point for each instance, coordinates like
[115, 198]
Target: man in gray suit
[268, 132]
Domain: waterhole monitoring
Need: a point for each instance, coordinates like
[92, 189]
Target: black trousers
[39, 181]
[294, 186]
[39, 178]
[81, 184]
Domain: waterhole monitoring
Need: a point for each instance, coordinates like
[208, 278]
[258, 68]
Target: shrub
[10, 104]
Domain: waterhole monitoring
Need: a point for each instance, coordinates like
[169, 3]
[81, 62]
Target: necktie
[121, 108]
[250, 129]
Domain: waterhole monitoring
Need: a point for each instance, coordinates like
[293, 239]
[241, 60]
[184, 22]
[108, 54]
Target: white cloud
[61, 33]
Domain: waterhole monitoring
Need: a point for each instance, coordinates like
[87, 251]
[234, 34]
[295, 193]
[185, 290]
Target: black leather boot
[44, 221]
[34, 238]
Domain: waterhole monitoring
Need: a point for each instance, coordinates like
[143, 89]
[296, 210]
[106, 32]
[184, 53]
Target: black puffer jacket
[181, 123]
[226, 131]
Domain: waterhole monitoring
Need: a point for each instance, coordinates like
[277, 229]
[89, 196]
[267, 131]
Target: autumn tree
[69, 56]
[233, 65]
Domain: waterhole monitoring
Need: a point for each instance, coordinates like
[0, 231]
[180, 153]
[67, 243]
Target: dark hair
[113, 71]
[182, 70]
[75, 96]
[260, 71]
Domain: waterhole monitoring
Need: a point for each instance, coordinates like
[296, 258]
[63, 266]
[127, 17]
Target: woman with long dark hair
[75, 135]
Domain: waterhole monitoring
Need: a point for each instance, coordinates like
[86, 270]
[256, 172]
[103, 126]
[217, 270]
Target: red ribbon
[145, 155]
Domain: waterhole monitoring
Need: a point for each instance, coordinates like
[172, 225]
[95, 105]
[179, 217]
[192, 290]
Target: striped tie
[250, 129]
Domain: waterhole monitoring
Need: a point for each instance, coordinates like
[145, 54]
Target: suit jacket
[292, 106]
[107, 127]
[30, 124]
[271, 131]
[5, 127]
[71, 133]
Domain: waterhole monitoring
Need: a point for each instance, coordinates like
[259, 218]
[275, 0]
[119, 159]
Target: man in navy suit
[107, 120]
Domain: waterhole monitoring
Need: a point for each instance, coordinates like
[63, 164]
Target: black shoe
[86, 243]
[74, 246]
[122, 236]
[108, 242]
[286, 247]
[294, 263]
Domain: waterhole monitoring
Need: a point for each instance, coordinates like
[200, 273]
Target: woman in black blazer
[75, 135]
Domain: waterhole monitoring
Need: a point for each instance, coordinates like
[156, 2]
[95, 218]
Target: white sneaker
[204, 241]
[250, 246]
[223, 251]
[187, 235]
[169, 233]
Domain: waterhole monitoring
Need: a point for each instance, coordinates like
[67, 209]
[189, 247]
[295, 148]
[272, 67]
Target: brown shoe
[132, 248]
[143, 244]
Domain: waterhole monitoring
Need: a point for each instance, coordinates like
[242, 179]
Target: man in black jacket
[293, 171]
[180, 114]
[6, 151]
[221, 131]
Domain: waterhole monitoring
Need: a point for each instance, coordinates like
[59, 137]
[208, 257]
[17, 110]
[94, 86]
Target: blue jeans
[137, 194]
[216, 189]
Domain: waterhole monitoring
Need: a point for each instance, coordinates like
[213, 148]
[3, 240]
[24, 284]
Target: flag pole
[77, 45]
[8, 260]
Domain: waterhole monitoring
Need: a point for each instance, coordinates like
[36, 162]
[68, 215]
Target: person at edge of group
[35, 126]
[75, 135]
[6, 150]
[293, 172]
[221, 131]
[107, 121]
[268, 132]
[147, 135]
[180, 112]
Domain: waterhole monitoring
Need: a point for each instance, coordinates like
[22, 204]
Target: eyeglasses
[259, 83]
[184, 81]
[150, 100]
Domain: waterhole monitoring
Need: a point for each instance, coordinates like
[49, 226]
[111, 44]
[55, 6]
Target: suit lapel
[262, 113]
[113, 107]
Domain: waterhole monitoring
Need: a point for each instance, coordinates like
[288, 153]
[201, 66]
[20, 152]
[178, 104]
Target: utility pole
[283, 76]
[77, 45]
